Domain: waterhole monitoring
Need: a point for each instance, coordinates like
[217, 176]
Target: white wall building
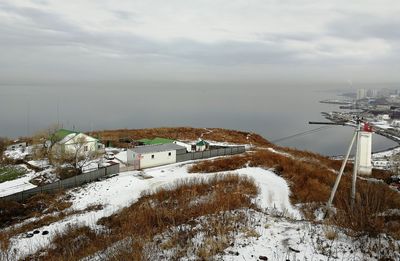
[383, 117]
[202, 145]
[70, 142]
[153, 155]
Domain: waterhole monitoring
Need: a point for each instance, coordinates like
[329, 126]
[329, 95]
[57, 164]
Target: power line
[302, 133]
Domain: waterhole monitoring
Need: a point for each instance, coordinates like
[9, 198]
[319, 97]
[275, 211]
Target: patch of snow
[282, 239]
[122, 156]
[17, 185]
[387, 153]
[280, 152]
[40, 163]
[17, 154]
[124, 189]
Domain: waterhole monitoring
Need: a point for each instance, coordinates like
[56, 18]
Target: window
[169, 153]
[86, 148]
[152, 156]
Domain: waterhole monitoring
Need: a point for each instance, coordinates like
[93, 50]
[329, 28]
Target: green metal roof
[201, 143]
[156, 141]
[62, 133]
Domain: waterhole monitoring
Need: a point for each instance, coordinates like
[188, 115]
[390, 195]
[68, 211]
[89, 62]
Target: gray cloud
[51, 30]
[42, 43]
[360, 26]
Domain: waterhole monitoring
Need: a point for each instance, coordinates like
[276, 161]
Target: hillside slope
[264, 202]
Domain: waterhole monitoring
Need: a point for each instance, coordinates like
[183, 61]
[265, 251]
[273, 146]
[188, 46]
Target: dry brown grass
[301, 175]
[182, 133]
[382, 175]
[70, 244]
[219, 164]
[54, 213]
[42, 221]
[154, 213]
[330, 232]
[13, 212]
[217, 231]
[311, 179]
[45, 208]
[365, 217]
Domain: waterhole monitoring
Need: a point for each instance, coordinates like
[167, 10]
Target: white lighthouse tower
[364, 150]
[362, 161]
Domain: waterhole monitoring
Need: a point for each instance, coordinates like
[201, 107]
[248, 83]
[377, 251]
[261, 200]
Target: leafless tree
[80, 154]
[44, 141]
[4, 142]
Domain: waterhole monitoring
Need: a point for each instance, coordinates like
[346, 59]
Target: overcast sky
[48, 41]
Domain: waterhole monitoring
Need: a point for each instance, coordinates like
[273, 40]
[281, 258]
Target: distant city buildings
[372, 93]
[377, 93]
[361, 94]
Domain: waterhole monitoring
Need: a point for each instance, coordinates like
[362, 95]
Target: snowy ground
[17, 185]
[281, 233]
[19, 153]
[124, 189]
[23, 183]
[284, 239]
[44, 163]
[262, 235]
[387, 153]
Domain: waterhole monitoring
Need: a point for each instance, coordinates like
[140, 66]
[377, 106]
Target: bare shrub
[330, 232]
[311, 178]
[12, 212]
[68, 244]
[157, 211]
[182, 133]
[4, 142]
[218, 165]
[364, 218]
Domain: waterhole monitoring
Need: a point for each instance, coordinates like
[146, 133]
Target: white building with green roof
[202, 145]
[67, 141]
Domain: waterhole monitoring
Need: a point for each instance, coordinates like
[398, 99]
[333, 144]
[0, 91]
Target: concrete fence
[65, 183]
[113, 169]
[210, 153]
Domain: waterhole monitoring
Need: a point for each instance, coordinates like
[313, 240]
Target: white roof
[157, 148]
[68, 137]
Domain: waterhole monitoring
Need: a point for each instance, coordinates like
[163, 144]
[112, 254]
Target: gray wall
[65, 183]
[210, 153]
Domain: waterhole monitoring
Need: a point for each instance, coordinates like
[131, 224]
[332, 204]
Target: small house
[154, 155]
[202, 145]
[66, 141]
